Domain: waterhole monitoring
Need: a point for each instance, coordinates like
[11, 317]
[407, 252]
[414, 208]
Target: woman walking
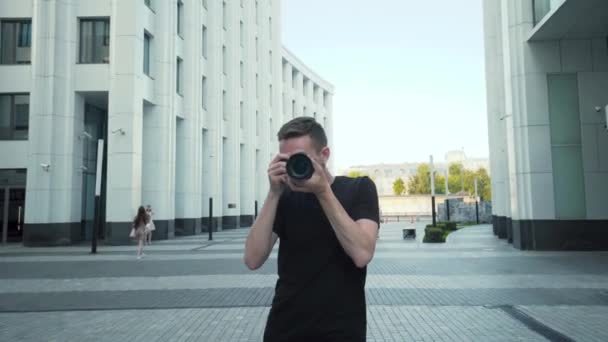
[139, 230]
[150, 227]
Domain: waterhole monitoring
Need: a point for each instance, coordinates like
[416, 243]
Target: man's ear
[325, 154]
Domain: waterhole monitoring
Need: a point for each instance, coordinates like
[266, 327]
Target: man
[327, 228]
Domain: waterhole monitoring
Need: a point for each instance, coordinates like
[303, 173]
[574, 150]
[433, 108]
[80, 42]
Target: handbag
[132, 234]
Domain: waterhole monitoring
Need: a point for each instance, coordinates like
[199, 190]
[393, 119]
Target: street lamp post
[476, 203]
[433, 192]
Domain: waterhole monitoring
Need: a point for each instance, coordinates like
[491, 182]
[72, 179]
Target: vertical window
[242, 33]
[180, 17]
[294, 78]
[224, 60]
[270, 28]
[241, 115]
[242, 74]
[179, 76]
[270, 95]
[270, 129]
[257, 86]
[94, 41]
[224, 15]
[293, 108]
[205, 4]
[205, 41]
[314, 115]
[224, 106]
[14, 116]
[204, 90]
[257, 11]
[257, 123]
[147, 39]
[16, 40]
[270, 61]
[148, 3]
[257, 49]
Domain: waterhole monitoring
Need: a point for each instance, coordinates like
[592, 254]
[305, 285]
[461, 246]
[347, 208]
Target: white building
[384, 175]
[186, 94]
[547, 71]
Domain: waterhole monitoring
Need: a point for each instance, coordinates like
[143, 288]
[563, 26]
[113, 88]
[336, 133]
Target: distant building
[384, 175]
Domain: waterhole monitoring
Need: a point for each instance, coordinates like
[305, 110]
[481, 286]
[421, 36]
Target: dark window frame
[106, 38]
[13, 118]
[20, 40]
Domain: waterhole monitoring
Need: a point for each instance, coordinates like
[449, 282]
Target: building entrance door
[12, 213]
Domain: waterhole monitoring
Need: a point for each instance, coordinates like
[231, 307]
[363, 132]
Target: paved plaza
[473, 288]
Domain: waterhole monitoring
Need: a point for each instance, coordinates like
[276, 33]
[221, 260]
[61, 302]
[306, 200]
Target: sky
[409, 75]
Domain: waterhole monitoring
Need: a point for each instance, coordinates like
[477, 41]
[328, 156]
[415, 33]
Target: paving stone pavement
[473, 288]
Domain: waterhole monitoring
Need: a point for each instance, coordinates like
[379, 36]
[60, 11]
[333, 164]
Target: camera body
[300, 167]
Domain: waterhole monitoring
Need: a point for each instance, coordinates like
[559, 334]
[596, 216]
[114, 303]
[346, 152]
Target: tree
[355, 174]
[398, 187]
[420, 183]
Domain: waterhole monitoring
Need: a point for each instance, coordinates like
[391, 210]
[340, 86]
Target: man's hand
[277, 174]
[316, 184]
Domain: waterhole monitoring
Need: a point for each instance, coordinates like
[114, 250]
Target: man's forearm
[357, 243]
[260, 239]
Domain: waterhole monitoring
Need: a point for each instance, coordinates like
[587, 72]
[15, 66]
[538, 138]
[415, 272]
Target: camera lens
[300, 167]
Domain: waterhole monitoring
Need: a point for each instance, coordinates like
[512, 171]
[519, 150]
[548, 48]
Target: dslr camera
[300, 167]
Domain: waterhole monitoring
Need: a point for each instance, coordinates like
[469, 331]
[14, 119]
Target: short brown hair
[302, 126]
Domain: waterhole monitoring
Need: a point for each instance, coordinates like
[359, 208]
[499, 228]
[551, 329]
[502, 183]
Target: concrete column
[124, 182]
[214, 120]
[188, 206]
[53, 195]
[159, 125]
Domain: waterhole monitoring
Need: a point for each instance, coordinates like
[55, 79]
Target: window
[14, 116]
[224, 15]
[95, 41]
[294, 78]
[314, 115]
[293, 108]
[257, 11]
[179, 76]
[270, 28]
[224, 60]
[180, 17]
[257, 49]
[242, 33]
[205, 41]
[205, 4]
[242, 74]
[16, 41]
[257, 84]
[257, 123]
[204, 90]
[148, 3]
[541, 8]
[224, 105]
[270, 61]
[270, 95]
[147, 39]
[270, 129]
[241, 115]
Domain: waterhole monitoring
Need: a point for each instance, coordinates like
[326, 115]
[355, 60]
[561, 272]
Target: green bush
[434, 235]
[451, 226]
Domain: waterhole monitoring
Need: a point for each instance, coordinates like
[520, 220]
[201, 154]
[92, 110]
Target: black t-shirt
[320, 293]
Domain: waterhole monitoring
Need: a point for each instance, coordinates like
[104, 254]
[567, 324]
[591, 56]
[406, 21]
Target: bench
[409, 233]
